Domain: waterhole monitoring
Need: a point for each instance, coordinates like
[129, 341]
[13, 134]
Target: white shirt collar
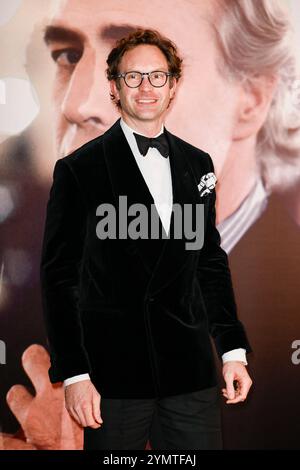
[235, 226]
[127, 129]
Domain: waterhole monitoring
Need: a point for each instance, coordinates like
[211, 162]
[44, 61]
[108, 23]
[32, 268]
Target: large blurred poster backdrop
[54, 97]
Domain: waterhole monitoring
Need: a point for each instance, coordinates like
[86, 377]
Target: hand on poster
[44, 420]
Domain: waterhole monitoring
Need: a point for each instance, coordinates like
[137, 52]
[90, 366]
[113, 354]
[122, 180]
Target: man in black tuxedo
[129, 319]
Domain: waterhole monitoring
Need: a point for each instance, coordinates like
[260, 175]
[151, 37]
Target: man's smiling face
[145, 103]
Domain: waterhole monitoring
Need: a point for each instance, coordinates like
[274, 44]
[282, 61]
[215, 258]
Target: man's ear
[173, 85]
[256, 94]
[114, 90]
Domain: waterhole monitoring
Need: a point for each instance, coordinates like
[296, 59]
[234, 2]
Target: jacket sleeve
[62, 252]
[216, 285]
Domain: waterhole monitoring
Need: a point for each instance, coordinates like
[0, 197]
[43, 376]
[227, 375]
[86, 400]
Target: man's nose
[87, 101]
[146, 85]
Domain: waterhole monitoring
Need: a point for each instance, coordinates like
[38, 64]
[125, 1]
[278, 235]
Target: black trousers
[189, 421]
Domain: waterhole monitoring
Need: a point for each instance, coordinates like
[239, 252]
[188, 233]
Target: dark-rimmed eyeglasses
[133, 79]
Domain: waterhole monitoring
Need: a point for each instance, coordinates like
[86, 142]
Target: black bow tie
[159, 142]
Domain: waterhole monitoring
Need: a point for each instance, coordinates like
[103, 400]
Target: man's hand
[237, 381]
[83, 403]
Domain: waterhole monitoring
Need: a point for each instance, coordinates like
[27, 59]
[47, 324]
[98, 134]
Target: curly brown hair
[134, 39]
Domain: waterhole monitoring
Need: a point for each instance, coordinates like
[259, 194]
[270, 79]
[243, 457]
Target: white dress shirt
[157, 175]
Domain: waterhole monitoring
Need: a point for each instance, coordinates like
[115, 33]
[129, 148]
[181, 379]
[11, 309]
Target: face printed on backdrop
[80, 36]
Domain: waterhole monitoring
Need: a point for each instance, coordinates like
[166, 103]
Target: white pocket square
[207, 183]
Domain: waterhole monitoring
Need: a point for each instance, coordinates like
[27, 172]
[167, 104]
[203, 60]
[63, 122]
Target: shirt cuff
[76, 378]
[235, 355]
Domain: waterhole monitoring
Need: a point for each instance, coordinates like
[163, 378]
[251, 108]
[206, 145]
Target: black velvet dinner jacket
[137, 314]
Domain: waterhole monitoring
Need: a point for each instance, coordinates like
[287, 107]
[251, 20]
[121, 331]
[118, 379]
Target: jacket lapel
[127, 180]
[174, 254]
[161, 257]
